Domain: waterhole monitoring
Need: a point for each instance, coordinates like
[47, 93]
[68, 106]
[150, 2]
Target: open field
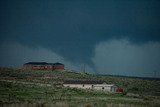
[20, 88]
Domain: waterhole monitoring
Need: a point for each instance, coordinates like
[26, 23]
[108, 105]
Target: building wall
[114, 89]
[81, 86]
[105, 87]
[58, 67]
[43, 67]
[101, 87]
[38, 67]
[49, 67]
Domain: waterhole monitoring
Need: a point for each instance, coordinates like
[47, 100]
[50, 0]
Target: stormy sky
[117, 37]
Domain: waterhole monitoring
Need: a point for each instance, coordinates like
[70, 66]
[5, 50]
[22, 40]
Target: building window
[102, 88]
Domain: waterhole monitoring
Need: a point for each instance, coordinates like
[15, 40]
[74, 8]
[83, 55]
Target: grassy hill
[18, 85]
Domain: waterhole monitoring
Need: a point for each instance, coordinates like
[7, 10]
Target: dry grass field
[19, 88]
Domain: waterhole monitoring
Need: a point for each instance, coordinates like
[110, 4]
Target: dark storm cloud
[15, 55]
[121, 57]
[72, 28]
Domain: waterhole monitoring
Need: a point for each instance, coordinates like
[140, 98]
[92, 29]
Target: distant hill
[134, 77]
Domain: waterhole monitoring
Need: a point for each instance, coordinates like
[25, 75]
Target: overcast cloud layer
[15, 55]
[78, 32]
[115, 57]
[121, 57]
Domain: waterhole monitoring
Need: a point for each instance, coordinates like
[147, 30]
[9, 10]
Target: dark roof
[37, 63]
[43, 63]
[82, 82]
[57, 63]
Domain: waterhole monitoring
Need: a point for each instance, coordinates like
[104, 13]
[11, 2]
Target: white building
[105, 87]
[94, 85]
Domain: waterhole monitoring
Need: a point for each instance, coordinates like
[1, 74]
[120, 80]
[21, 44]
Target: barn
[93, 85]
[43, 66]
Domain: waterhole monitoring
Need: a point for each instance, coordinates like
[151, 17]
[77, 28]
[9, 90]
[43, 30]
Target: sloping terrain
[134, 85]
[18, 85]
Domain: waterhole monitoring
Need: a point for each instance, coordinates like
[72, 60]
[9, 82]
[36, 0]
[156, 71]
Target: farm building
[58, 66]
[105, 87]
[94, 85]
[80, 84]
[43, 66]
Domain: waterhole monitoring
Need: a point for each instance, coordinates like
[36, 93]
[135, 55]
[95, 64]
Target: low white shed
[94, 85]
